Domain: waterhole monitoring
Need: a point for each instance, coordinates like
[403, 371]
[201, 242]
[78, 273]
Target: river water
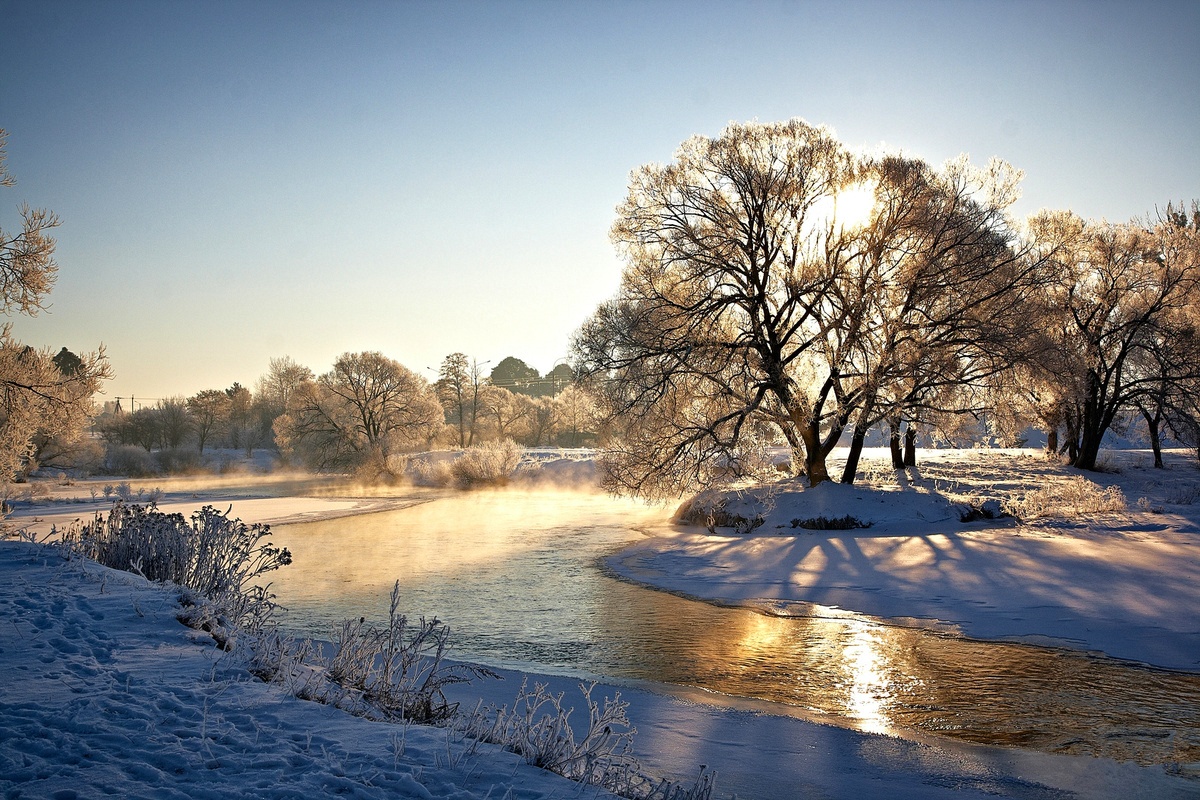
[517, 578]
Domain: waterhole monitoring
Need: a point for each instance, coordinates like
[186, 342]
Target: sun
[847, 210]
[853, 206]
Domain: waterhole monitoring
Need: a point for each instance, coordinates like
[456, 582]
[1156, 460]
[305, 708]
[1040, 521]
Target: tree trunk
[1089, 450]
[813, 455]
[1152, 423]
[910, 446]
[894, 444]
[852, 458]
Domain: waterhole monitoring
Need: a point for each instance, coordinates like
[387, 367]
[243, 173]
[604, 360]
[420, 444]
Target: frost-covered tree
[1118, 320]
[27, 267]
[778, 287]
[505, 412]
[209, 410]
[283, 376]
[367, 407]
[174, 421]
[459, 386]
[41, 395]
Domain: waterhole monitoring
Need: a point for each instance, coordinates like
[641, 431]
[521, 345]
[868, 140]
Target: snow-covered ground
[106, 694]
[1126, 583]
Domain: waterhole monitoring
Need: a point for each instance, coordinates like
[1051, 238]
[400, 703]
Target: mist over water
[516, 576]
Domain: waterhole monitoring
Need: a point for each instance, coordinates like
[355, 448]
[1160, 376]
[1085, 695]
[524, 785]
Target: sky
[241, 181]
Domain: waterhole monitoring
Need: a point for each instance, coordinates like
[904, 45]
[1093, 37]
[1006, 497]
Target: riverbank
[107, 694]
[86, 670]
[1122, 581]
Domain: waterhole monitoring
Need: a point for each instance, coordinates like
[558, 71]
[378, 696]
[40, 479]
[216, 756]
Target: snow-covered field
[106, 694]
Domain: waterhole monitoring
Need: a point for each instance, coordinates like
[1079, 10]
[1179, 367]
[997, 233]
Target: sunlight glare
[870, 690]
[853, 206]
[848, 210]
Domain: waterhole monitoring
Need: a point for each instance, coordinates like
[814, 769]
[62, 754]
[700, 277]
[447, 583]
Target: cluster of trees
[513, 402]
[756, 308]
[45, 398]
[229, 418]
[370, 410]
[359, 416]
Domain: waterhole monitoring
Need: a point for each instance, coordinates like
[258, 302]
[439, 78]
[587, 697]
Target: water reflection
[515, 576]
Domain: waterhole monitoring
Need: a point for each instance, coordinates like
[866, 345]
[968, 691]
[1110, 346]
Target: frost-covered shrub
[211, 556]
[398, 671]
[717, 509]
[538, 728]
[489, 464]
[1185, 496]
[133, 462]
[430, 473]
[1067, 498]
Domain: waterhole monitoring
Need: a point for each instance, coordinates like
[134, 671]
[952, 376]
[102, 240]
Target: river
[517, 576]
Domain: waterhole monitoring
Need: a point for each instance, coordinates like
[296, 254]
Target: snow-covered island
[107, 694]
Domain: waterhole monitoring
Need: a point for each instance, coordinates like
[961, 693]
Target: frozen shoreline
[85, 641]
[107, 693]
[1134, 597]
[1123, 583]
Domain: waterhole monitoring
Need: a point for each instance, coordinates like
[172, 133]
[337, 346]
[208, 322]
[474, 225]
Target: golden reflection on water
[515, 577]
[869, 686]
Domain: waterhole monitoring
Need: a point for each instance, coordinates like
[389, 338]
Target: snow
[106, 693]
[1123, 583]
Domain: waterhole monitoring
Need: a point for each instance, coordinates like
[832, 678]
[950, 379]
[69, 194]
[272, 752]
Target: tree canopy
[42, 395]
[367, 407]
[755, 306]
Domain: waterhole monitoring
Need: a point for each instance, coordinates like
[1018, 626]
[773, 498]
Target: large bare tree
[754, 306]
[368, 406]
[1120, 321]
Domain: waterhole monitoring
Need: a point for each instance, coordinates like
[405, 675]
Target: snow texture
[105, 693]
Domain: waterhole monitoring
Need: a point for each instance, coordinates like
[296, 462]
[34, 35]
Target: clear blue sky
[245, 180]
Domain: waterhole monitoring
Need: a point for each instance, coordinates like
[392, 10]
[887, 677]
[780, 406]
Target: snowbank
[1126, 583]
[106, 694]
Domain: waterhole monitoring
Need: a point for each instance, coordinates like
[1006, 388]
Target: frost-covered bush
[1067, 498]
[212, 557]
[538, 728]
[398, 671]
[718, 509]
[427, 472]
[133, 462]
[489, 464]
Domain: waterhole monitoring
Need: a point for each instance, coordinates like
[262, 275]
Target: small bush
[1067, 498]
[489, 464]
[400, 670]
[539, 729]
[133, 462]
[1185, 497]
[830, 524]
[430, 473]
[711, 508]
[211, 556]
